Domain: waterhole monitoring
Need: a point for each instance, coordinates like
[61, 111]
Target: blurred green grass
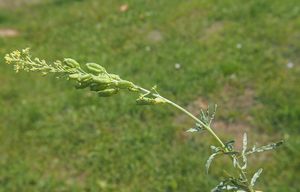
[55, 138]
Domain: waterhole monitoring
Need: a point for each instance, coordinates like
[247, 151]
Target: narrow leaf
[215, 149]
[228, 185]
[244, 151]
[229, 145]
[264, 148]
[209, 161]
[213, 115]
[234, 162]
[194, 130]
[225, 187]
[255, 177]
[218, 188]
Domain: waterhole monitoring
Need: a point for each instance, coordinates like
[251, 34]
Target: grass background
[233, 53]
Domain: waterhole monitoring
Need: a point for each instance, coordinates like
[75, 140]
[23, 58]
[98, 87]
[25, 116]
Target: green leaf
[209, 161]
[264, 148]
[230, 184]
[244, 151]
[215, 149]
[229, 145]
[255, 177]
[195, 129]
[207, 116]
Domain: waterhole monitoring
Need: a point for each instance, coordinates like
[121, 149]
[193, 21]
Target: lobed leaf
[229, 185]
[207, 116]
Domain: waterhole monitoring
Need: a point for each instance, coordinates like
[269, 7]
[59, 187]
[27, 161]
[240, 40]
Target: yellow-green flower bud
[149, 101]
[101, 80]
[80, 77]
[123, 84]
[71, 63]
[145, 101]
[97, 87]
[114, 76]
[86, 77]
[74, 76]
[133, 89]
[96, 68]
[107, 92]
[159, 100]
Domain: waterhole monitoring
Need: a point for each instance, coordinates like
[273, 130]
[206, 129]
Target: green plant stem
[242, 172]
[209, 129]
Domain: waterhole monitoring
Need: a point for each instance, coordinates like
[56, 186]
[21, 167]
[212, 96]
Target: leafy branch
[97, 79]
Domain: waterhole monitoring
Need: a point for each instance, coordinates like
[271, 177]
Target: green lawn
[242, 55]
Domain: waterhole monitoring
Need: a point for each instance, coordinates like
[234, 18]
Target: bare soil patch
[155, 36]
[194, 107]
[243, 100]
[16, 3]
[7, 32]
[212, 30]
[234, 130]
[231, 100]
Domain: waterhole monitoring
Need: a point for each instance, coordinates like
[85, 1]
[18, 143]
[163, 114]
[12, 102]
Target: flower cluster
[94, 76]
